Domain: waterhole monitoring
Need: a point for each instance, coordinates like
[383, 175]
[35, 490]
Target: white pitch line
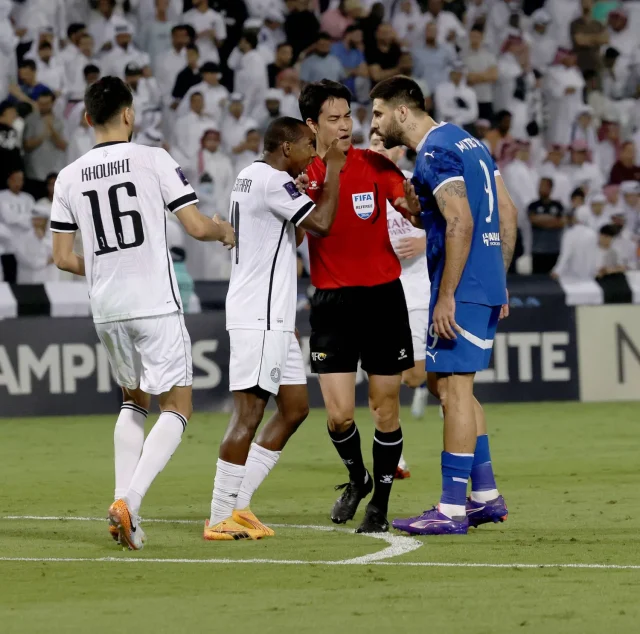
[397, 546]
[302, 562]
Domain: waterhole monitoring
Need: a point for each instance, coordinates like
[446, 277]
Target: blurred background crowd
[551, 87]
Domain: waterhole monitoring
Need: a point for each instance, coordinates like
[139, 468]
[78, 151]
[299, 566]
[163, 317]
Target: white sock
[158, 448]
[259, 462]
[484, 496]
[226, 486]
[452, 510]
[128, 439]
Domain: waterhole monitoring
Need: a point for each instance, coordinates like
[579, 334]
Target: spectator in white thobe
[82, 138]
[522, 182]
[551, 168]
[215, 95]
[450, 29]
[455, 101]
[564, 85]
[409, 23]
[251, 150]
[210, 28]
[75, 80]
[250, 71]
[269, 110]
[190, 128]
[102, 25]
[582, 172]
[563, 13]
[155, 37]
[578, 250]
[124, 52]
[597, 207]
[172, 60]
[49, 70]
[543, 45]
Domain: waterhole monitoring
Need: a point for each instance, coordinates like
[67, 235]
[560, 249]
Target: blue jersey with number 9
[448, 154]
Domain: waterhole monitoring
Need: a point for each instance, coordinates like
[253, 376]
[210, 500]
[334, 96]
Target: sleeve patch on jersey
[292, 190]
[181, 176]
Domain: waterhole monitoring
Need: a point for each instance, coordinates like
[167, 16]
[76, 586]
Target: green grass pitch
[569, 473]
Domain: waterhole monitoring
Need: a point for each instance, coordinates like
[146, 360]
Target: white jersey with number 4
[116, 194]
[266, 207]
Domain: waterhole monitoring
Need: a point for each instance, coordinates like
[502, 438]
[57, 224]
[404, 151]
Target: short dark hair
[251, 37]
[193, 47]
[6, 105]
[283, 130]
[611, 53]
[44, 44]
[609, 230]
[195, 93]
[106, 99]
[400, 89]
[90, 69]
[323, 35]
[352, 28]
[578, 191]
[501, 114]
[478, 26]
[179, 27]
[282, 45]
[51, 175]
[314, 95]
[45, 92]
[74, 28]
[27, 63]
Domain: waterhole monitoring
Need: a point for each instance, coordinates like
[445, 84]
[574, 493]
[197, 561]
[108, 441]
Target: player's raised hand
[334, 156]
[444, 317]
[410, 201]
[302, 182]
[228, 234]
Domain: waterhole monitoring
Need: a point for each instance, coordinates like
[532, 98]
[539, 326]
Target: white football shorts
[153, 353]
[266, 358]
[419, 324]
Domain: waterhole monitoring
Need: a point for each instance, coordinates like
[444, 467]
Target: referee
[358, 312]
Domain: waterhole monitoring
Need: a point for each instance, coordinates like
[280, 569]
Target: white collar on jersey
[424, 138]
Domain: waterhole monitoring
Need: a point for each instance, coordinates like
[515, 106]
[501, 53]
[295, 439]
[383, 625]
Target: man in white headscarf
[543, 44]
[551, 168]
[564, 85]
[582, 172]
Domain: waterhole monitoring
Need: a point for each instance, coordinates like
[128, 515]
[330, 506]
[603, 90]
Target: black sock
[347, 445]
[387, 449]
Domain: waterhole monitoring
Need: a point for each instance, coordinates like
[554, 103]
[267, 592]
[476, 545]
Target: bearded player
[470, 222]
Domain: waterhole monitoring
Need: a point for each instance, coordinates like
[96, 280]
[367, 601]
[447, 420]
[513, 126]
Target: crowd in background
[551, 87]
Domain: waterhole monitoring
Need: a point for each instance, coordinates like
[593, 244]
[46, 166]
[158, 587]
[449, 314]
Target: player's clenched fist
[444, 317]
[228, 237]
[335, 157]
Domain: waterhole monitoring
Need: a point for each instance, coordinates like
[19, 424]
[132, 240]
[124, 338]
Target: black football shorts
[361, 323]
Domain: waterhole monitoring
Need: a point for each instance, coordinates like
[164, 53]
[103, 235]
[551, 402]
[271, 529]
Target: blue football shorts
[471, 350]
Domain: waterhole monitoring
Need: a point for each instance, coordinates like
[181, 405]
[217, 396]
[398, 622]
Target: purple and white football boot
[432, 522]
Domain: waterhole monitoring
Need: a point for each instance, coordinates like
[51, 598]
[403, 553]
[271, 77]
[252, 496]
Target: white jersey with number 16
[266, 207]
[116, 194]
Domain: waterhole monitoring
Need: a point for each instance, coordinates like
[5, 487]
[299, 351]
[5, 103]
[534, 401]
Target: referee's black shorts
[361, 323]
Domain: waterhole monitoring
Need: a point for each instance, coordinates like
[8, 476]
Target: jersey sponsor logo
[242, 185]
[276, 375]
[491, 239]
[181, 176]
[318, 356]
[292, 190]
[363, 205]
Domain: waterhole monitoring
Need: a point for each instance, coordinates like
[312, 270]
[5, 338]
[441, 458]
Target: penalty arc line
[373, 559]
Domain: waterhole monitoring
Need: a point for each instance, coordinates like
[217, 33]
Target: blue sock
[482, 478]
[456, 469]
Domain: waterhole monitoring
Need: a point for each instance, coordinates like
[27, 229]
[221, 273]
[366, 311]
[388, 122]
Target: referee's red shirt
[357, 251]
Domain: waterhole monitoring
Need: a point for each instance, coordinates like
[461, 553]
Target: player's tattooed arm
[454, 206]
[508, 213]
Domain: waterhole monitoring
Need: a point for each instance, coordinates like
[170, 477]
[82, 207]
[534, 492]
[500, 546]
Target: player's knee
[137, 396]
[385, 413]
[414, 378]
[340, 419]
[297, 415]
